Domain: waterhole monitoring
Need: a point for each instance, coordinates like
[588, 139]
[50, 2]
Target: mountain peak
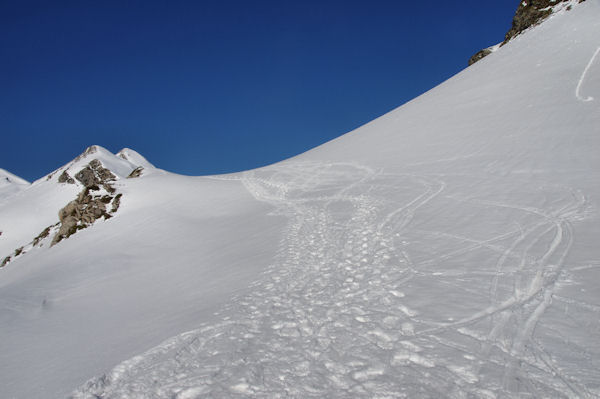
[121, 164]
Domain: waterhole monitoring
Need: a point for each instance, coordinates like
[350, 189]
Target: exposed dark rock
[45, 233]
[86, 176]
[80, 213]
[116, 203]
[109, 188]
[65, 178]
[94, 175]
[88, 206]
[479, 55]
[529, 13]
[137, 172]
[105, 175]
[22, 250]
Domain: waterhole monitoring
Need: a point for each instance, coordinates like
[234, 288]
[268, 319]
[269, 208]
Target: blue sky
[204, 87]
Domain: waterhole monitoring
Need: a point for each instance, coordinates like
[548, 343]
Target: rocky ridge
[529, 13]
[95, 171]
[98, 199]
[91, 204]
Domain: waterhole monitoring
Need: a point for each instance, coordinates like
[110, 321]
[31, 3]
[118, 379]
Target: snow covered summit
[446, 249]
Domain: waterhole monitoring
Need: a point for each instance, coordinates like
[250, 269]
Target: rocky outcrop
[479, 55]
[45, 233]
[98, 198]
[65, 178]
[137, 172]
[529, 13]
[92, 202]
[116, 203]
[95, 175]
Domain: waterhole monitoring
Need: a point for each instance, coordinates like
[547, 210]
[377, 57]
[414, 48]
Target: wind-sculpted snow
[369, 298]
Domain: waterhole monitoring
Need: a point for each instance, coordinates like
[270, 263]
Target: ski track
[332, 318]
[582, 78]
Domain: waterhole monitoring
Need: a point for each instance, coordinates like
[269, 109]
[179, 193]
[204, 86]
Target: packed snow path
[368, 299]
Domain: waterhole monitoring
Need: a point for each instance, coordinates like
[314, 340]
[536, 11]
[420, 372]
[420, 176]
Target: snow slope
[446, 249]
[10, 184]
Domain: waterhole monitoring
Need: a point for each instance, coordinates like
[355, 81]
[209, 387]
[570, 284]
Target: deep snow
[446, 249]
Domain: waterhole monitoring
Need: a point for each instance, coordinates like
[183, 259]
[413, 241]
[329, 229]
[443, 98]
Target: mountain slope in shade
[446, 249]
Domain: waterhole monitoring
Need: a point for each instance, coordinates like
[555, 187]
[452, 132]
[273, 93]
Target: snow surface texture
[446, 249]
[10, 185]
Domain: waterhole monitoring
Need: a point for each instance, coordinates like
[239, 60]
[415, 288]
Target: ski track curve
[332, 317]
[582, 78]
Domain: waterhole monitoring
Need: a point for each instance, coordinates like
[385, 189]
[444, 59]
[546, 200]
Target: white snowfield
[446, 249]
[10, 185]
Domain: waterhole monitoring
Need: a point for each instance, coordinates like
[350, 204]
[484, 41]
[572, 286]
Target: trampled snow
[446, 249]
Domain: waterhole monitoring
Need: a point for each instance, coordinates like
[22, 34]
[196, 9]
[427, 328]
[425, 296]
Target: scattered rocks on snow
[37, 242]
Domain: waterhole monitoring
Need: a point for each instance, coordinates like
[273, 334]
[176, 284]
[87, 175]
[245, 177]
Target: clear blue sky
[203, 87]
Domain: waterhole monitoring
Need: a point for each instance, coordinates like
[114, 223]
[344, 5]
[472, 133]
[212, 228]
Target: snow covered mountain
[36, 210]
[446, 249]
